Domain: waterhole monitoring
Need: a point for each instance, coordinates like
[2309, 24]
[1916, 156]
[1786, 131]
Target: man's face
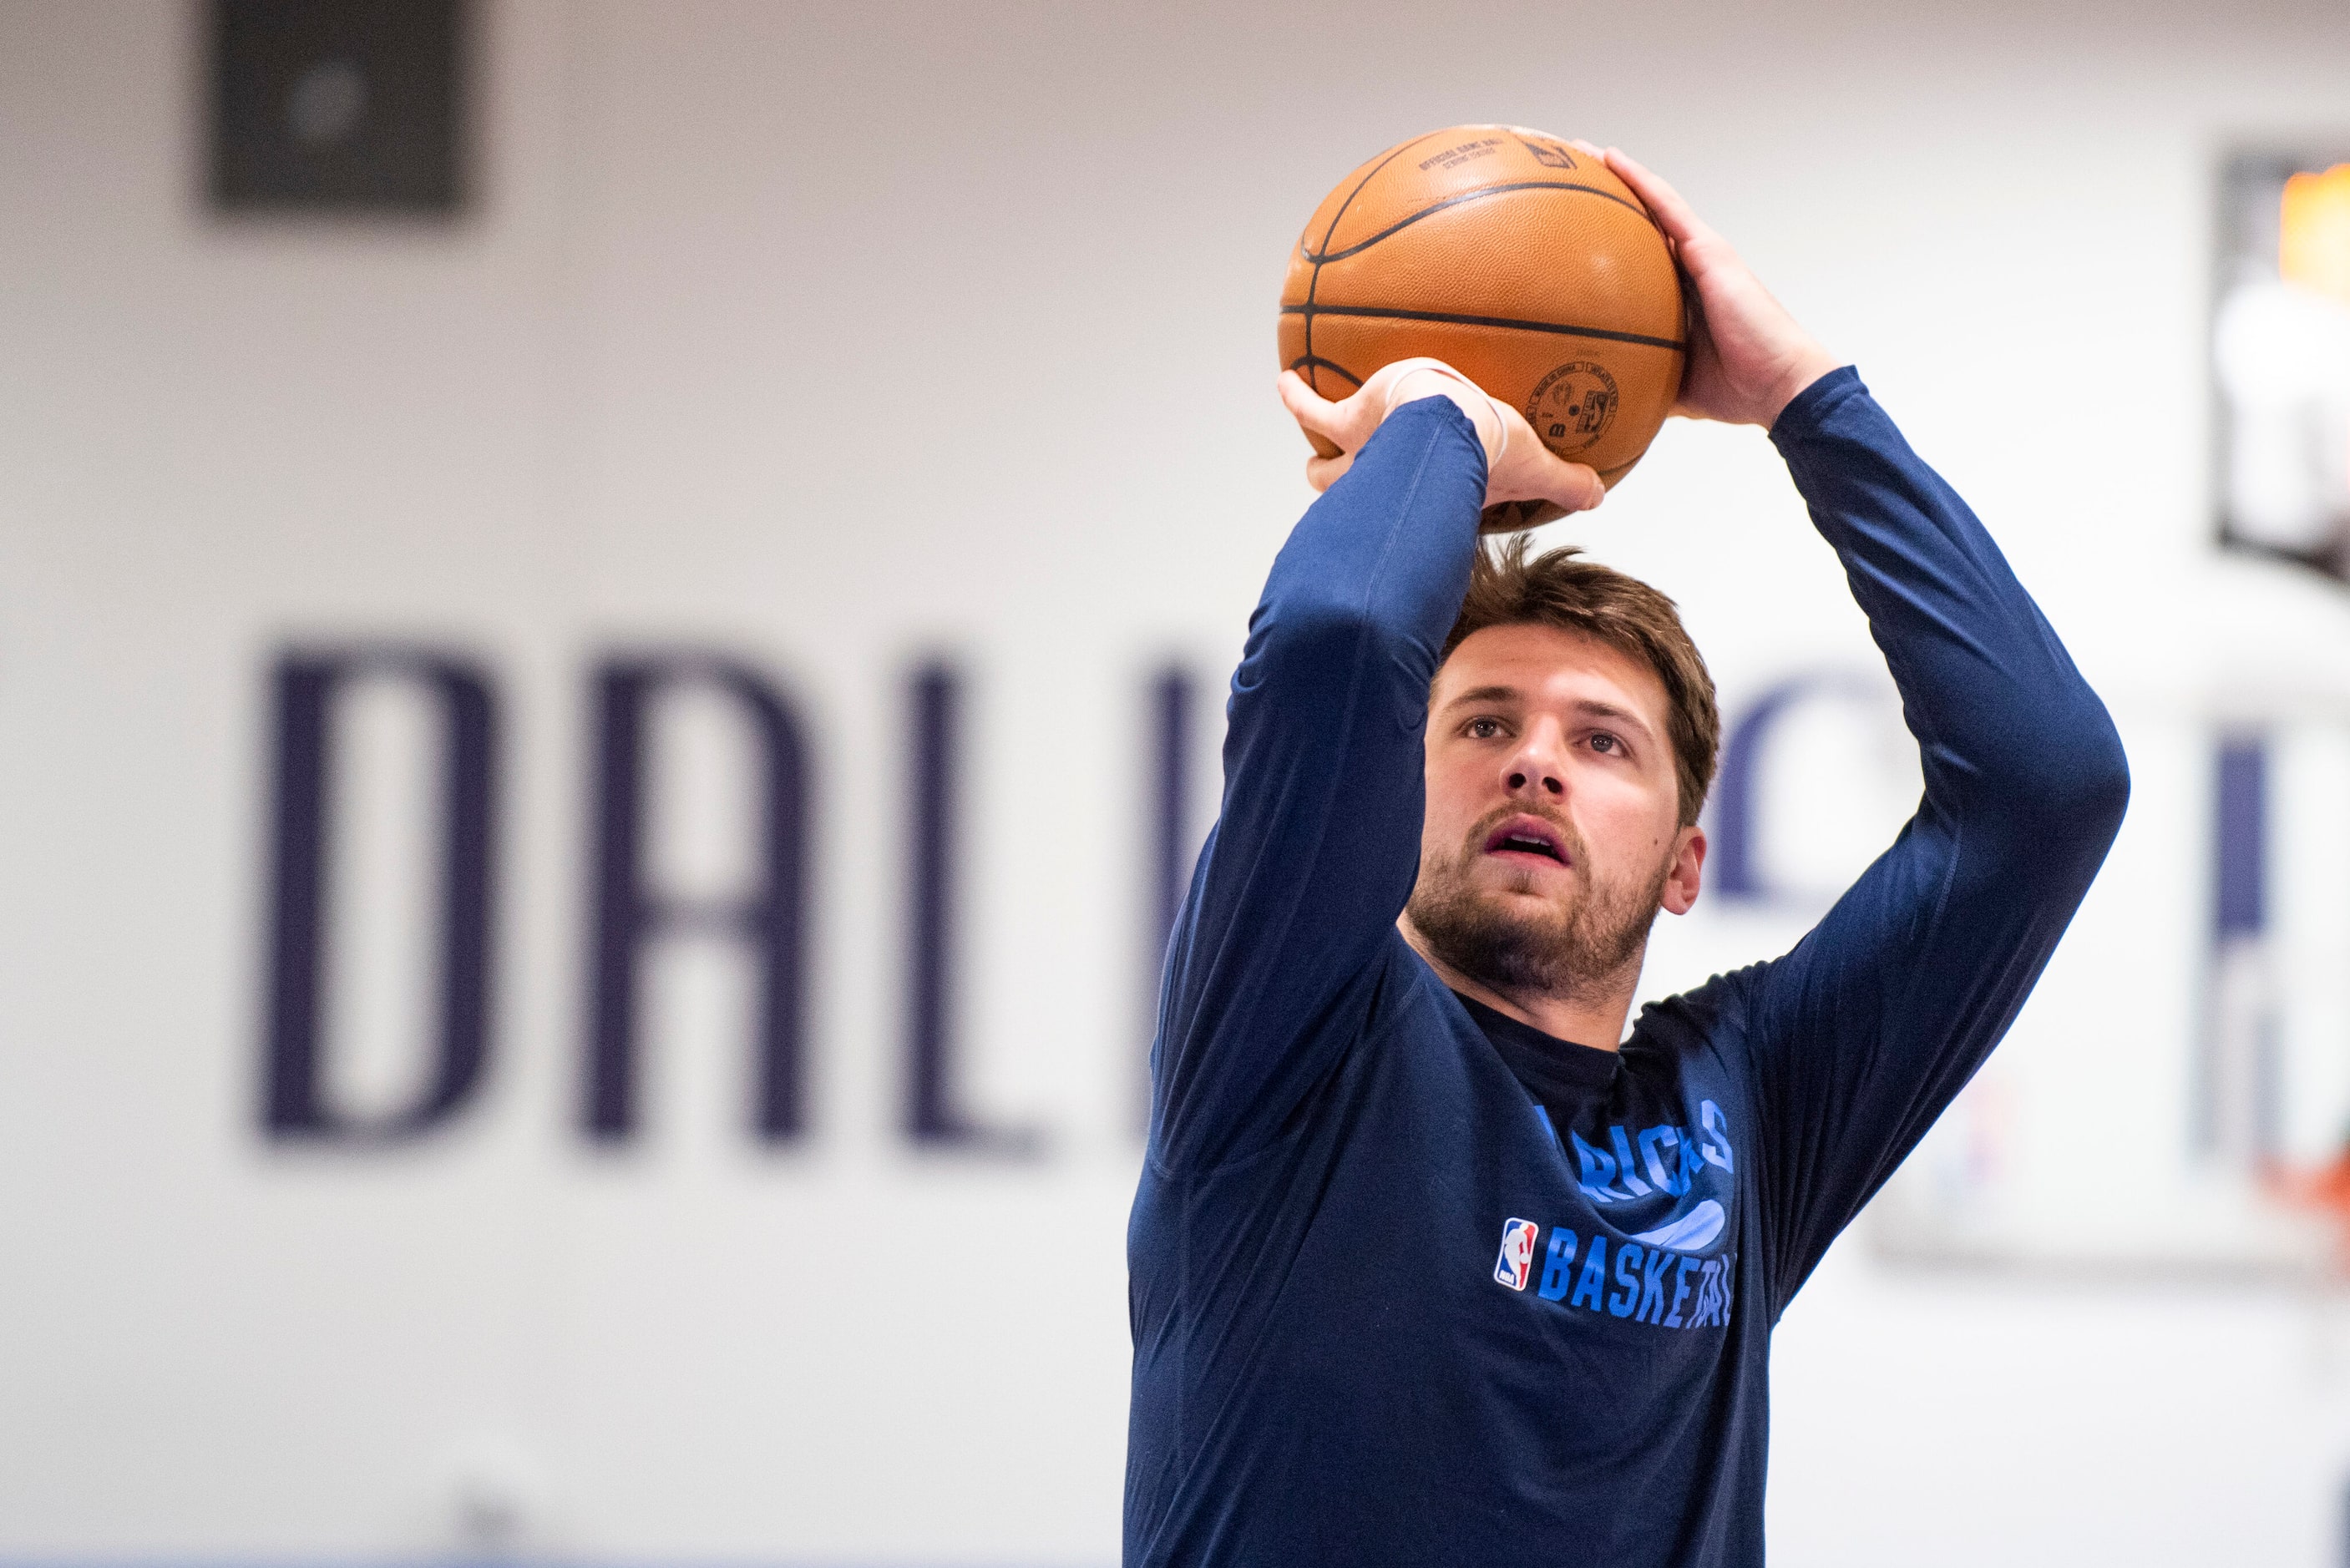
[1552, 829]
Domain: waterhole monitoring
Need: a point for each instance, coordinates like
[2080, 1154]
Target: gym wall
[844, 438]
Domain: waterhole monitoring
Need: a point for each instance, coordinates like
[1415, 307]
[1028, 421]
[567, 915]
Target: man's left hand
[1747, 358]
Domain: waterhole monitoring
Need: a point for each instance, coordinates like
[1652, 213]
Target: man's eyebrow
[1588, 707]
[1484, 694]
[1609, 711]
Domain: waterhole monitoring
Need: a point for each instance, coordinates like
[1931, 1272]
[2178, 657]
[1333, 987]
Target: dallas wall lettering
[2240, 1070]
[628, 912]
[933, 1117]
[305, 687]
[772, 919]
[1173, 851]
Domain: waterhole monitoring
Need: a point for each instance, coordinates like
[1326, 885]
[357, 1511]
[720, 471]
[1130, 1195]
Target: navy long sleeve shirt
[1413, 1283]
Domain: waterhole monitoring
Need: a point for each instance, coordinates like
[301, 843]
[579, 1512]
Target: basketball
[1523, 264]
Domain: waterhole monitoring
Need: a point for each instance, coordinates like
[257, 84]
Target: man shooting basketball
[1391, 1040]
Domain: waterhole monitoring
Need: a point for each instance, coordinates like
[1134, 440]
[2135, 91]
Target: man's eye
[1604, 741]
[1484, 729]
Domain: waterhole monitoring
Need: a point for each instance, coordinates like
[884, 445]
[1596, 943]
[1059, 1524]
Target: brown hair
[1557, 589]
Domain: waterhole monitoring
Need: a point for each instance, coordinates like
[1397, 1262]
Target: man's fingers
[1316, 414]
[1544, 475]
[1577, 487]
[1677, 217]
[1528, 469]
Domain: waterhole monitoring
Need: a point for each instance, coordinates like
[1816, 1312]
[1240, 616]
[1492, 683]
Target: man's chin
[1539, 925]
[1511, 943]
[1529, 928]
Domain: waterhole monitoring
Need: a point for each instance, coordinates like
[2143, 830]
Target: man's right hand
[1518, 466]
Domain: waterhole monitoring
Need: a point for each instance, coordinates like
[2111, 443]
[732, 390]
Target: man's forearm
[1868, 1029]
[1387, 550]
[1319, 839]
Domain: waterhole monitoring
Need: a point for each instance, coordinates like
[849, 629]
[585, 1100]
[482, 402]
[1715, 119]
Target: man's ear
[1687, 873]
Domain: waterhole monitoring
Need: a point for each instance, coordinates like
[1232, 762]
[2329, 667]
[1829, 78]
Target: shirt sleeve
[1867, 1031]
[1271, 966]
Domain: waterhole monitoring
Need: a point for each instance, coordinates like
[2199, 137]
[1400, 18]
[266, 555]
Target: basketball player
[1458, 789]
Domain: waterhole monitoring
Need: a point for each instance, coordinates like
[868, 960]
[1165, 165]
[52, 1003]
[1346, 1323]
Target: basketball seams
[1314, 282]
[1315, 362]
[1319, 258]
[1454, 319]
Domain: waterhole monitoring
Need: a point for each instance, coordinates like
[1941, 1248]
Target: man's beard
[1589, 946]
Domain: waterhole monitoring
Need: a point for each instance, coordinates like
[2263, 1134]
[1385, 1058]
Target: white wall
[836, 334]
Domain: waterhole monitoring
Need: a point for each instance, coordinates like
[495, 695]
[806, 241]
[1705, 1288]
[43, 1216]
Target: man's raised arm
[1317, 842]
[1868, 1029]
[1863, 1033]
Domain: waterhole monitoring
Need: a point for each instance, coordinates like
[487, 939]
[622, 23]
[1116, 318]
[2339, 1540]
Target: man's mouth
[1529, 836]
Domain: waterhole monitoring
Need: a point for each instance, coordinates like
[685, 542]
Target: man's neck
[1588, 1015]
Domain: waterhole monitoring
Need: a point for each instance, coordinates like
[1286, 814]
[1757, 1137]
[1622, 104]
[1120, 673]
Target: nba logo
[1517, 1260]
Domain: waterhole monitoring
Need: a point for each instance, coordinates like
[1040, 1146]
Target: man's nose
[1533, 768]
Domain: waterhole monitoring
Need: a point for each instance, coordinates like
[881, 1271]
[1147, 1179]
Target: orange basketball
[1522, 263]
